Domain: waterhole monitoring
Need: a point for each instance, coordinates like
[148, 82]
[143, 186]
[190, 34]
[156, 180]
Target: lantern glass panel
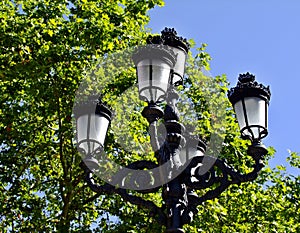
[251, 114]
[179, 65]
[153, 79]
[190, 151]
[91, 132]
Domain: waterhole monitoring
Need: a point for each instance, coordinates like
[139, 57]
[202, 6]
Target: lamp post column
[174, 192]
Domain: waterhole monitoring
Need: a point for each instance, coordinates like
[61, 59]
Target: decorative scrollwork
[106, 188]
[180, 200]
[227, 177]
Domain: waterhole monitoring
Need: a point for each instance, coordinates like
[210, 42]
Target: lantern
[250, 101]
[92, 121]
[154, 64]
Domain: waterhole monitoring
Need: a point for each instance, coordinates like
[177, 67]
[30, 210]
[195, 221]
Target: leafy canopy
[46, 47]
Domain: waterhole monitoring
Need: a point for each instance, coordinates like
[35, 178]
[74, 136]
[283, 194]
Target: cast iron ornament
[248, 87]
[169, 37]
[180, 200]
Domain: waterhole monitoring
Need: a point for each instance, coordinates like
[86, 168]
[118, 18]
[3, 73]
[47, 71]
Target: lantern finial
[170, 38]
[244, 78]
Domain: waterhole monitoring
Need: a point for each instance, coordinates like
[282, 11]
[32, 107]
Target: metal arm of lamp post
[250, 101]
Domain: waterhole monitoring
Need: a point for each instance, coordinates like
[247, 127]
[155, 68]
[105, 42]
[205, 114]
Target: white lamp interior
[91, 135]
[179, 65]
[255, 118]
[153, 78]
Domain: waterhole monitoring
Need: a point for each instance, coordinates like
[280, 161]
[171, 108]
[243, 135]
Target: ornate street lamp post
[160, 67]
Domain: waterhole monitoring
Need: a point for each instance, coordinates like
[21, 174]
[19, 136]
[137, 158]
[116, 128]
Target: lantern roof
[92, 105]
[169, 37]
[248, 87]
[154, 52]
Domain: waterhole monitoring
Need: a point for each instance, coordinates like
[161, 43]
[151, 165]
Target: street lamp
[92, 121]
[160, 67]
[250, 101]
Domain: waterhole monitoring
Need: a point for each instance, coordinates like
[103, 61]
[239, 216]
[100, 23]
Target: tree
[46, 48]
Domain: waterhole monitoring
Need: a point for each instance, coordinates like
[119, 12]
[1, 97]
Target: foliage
[46, 48]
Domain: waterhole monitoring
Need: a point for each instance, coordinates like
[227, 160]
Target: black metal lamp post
[160, 67]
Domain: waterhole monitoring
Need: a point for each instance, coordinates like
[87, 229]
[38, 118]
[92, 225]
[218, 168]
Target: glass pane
[239, 111]
[255, 117]
[82, 124]
[183, 155]
[100, 128]
[255, 108]
[180, 64]
[91, 138]
[190, 151]
[153, 79]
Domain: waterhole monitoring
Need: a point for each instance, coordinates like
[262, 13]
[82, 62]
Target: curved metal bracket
[180, 200]
[135, 200]
[228, 176]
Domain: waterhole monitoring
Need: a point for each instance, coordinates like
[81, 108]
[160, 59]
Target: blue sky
[259, 36]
